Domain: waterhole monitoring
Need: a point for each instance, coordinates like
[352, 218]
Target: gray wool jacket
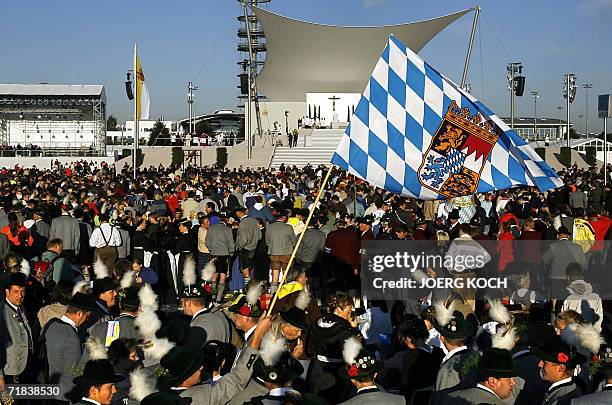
[248, 234]
[220, 240]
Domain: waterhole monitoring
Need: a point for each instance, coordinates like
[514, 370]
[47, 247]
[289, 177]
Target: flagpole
[471, 44]
[135, 144]
[299, 241]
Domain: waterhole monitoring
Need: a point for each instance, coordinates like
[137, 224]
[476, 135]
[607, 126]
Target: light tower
[252, 48]
[587, 86]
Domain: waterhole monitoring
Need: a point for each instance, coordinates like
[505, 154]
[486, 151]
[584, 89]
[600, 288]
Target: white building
[126, 131]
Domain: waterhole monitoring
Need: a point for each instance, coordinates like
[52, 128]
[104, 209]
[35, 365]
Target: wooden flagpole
[299, 241]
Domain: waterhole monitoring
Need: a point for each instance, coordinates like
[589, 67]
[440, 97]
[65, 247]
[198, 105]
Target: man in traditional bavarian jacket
[16, 344]
[207, 323]
[458, 369]
[97, 383]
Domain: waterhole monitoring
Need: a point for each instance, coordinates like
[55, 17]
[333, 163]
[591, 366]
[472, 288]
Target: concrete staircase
[320, 146]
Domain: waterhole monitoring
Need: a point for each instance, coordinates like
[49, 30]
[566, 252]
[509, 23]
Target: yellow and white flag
[142, 93]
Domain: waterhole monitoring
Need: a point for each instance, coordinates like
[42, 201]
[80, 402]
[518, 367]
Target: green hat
[242, 307]
[129, 297]
[179, 364]
[456, 328]
[364, 366]
[498, 363]
[286, 369]
[555, 350]
[82, 301]
[102, 285]
[98, 372]
[295, 317]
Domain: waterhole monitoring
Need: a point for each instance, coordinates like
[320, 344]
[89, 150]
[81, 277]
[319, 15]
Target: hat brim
[260, 372]
[490, 372]
[298, 323]
[117, 378]
[196, 363]
[377, 367]
[541, 353]
[464, 331]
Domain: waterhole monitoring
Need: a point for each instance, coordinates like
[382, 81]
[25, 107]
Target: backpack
[43, 271]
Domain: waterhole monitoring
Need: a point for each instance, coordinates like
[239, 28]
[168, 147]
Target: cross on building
[333, 99]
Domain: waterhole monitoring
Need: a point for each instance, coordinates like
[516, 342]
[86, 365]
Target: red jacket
[600, 225]
[344, 244]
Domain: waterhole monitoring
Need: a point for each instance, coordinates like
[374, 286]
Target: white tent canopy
[304, 57]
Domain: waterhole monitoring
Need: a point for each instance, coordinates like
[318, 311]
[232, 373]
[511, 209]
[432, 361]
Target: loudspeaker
[244, 83]
[519, 86]
[128, 90]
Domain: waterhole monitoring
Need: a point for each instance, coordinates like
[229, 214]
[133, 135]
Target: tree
[111, 123]
[159, 135]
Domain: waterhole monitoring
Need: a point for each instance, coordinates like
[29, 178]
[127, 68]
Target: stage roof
[52, 90]
[305, 57]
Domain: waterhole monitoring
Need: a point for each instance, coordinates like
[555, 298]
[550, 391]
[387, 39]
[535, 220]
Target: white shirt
[482, 387]
[368, 388]
[69, 321]
[90, 400]
[564, 381]
[103, 234]
[452, 352]
[11, 304]
[280, 392]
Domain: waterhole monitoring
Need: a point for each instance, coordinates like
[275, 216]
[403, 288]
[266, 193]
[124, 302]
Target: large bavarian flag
[416, 133]
[142, 93]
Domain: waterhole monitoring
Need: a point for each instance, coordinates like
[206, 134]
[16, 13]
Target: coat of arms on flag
[416, 133]
[457, 153]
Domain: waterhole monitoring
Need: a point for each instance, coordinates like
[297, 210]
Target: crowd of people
[184, 286]
[19, 150]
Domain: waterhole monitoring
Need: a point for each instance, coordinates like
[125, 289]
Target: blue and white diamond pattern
[399, 113]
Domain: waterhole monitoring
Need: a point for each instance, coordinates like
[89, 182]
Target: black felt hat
[102, 285]
[164, 398]
[196, 290]
[454, 214]
[17, 279]
[82, 301]
[286, 369]
[295, 317]
[498, 363]
[175, 330]
[98, 372]
[178, 365]
[603, 359]
[555, 350]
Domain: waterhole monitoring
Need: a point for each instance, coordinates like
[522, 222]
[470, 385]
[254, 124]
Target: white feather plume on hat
[498, 312]
[80, 287]
[351, 350]
[504, 339]
[148, 298]
[253, 294]
[444, 314]
[419, 275]
[189, 273]
[209, 270]
[141, 384]
[156, 348]
[25, 267]
[147, 323]
[272, 347]
[126, 280]
[584, 337]
[96, 350]
[100, 269]
[303, 299]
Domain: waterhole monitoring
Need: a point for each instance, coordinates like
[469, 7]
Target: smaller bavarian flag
[416, 133]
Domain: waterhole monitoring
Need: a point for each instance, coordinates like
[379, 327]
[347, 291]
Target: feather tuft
[504, 339]
[272, 347]
[80, 286]
[96, 350]
[189, 273]
[351, 350]
[209, 270]
[25, 267]
[303, 299]
[141, 385]
[419, 275]
[126, 280]
[585, 337]
[253, 294]
[147, 323]
[148, 298]
[100, 269]
[157, 348]
[443, 314]
[498, 312]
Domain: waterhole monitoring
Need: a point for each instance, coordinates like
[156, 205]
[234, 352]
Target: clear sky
[90, 42]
